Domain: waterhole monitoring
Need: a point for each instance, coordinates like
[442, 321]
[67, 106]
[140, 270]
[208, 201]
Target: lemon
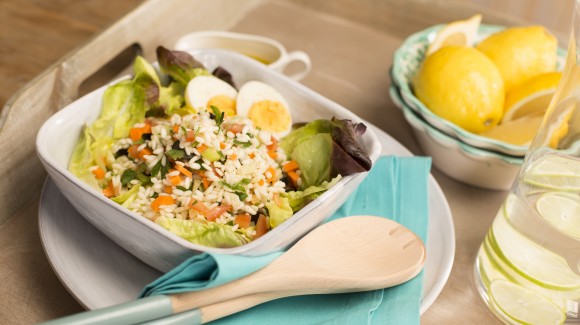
[463, 86]
[530, 97]
[561, 210]
[524, 305]
[521, 53]
[462, 32]
[555, 172]
[519, 132]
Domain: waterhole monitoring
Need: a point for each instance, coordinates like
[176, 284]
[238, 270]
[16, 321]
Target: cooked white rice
[244, 159]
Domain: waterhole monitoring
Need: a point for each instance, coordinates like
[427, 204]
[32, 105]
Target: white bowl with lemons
[458, 160]
[517, 120]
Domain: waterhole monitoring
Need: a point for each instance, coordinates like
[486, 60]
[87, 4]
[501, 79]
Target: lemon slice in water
[561, 210]
[462, 33]
[524, 305]
[555, 172]
[529, 259]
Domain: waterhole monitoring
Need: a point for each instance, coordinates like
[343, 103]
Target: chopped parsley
[219, 116]
[175, 154]
[243, 144]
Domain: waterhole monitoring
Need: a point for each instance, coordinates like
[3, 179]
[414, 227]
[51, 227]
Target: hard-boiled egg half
[265, 107]
[202, 92]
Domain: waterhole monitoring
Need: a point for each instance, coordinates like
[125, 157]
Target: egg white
[255, 91]
[200, 90]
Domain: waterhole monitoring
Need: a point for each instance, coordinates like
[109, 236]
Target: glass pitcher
[527, 269]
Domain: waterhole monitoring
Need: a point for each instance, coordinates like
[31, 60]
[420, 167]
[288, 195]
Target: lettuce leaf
[324, 149]
[124, 104]
[313, 157]
[298, 199]
[210, 234]
[82, 159]
[279, 213]
[126, 198]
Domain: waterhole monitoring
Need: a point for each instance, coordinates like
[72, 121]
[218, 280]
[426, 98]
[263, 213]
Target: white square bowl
[154, 244]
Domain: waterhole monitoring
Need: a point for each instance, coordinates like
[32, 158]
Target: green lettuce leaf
[313, 157]
[82, 159]
[210, 234]
[279, 213]
[324, 149]
[171, 99]
[299, 135]
[298, 199]
[126, 198]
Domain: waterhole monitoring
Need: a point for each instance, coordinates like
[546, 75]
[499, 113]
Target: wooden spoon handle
[215, 311]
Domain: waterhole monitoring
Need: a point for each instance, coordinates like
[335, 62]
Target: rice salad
[220, 175]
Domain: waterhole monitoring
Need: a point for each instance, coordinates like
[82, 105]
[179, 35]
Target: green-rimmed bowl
[458, 160]
[406, 62]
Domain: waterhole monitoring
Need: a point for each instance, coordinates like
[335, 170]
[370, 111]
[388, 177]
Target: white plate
[98, 273]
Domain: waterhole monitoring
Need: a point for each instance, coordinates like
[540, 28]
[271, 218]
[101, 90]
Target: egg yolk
[270, 116]
[225, 104]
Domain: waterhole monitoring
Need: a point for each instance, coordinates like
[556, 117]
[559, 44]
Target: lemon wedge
[531, 97]
[462, 32]
[519, 132]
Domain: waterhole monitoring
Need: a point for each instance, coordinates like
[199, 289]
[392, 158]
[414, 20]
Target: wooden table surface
[351, 44]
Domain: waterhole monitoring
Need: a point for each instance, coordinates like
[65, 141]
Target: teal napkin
[396, 188]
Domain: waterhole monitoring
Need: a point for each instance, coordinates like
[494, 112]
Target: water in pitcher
[527, 267]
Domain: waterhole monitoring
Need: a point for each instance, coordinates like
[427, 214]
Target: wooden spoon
[349, 254]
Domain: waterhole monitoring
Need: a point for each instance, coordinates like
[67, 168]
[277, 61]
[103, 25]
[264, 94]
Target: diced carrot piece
[233, 156]
[161, 200]
[222, 145]
[214, 213]
[206, 182]
[136, 154]
[133, 151]
[272, 171]
[290, 166]
[109, 191]
[293, 177]
[176, 128]
[251, 155]
[190, 136]
[145, 152]
[261, 226]
[272, 146]
[261, 182]
[168, 189]
[183, 170]
[201, 148]
[199, 207]
[174, 180]
[235, 128]
[273, 154]
[243, 220]
[99, 173]
[137, 133]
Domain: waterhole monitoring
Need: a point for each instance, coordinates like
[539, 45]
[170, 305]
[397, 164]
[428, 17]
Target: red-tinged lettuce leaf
[181, 66]
[352, 158]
